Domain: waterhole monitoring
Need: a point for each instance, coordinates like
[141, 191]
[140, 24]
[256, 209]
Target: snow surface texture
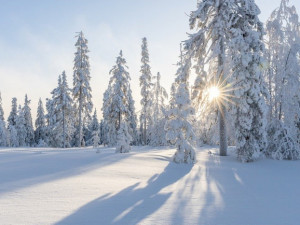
[63, 186]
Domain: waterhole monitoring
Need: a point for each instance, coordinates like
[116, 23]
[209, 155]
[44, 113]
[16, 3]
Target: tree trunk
[64, 138]
[80, 120]
[223, 131]
[222, 109]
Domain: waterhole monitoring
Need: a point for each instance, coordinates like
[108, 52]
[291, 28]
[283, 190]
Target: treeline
[254, 68]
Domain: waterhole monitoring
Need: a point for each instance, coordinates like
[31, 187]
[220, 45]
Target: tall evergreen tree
[179, 128]
[61, 114]
[208, 45]
[81, 82]
[29, 139]
[1, 109]
[146, 86]
[13, 136]
[13, 113]
[4, 137]
[94, 130]
[247, 48]
[40, 125]
[116, 99]
[21, 128]
[158, 135]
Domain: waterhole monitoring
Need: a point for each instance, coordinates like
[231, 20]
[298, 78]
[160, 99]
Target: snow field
[79, 186]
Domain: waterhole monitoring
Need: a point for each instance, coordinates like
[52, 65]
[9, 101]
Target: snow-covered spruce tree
[146, 86]
[13, 113]
[40, 126]
[94, 129]
[61, 114]
[29, 139]
[81, 82]
[179, 128]
[123, 139]
[4, 137]
[116, 100]
[208, 45]
[246, 49]
[21, 128]
[13, 136]
[1, 109]
[282, 77]
[132, 120]
[158, 134]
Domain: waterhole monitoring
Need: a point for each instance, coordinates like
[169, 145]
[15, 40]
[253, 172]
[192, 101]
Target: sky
[37, 42]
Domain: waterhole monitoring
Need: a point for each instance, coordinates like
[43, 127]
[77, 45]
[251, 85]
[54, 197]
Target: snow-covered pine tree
[246, 48]
[67, 112]
[21, 128]
[158, 134]
[146, 86]
[81, 82]
[179, 128]
[94, 129]
[29, 139]
[13, 136]
[282, 77]
[207, 46]
[40, 126]
[132, 120]
[1, 109]
[116, 100]
[123, 139]
[61, 114]
[4, 137]
[13, 113]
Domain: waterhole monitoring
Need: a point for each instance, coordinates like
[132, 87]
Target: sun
[213, 93]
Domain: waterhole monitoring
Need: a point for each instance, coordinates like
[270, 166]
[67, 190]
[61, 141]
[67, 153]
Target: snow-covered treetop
[81, 76]
[40, 119]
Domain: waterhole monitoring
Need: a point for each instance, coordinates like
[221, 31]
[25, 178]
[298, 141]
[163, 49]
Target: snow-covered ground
[79, 186]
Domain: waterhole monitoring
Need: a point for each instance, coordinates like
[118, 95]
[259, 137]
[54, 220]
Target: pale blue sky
[37, 41]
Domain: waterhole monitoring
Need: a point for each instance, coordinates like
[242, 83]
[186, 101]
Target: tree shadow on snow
[132, 204]
[20, 170]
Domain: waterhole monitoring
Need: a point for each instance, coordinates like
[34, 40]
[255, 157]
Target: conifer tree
[21, 128]
[123, 139]
[29, 139]
[1, 109]
[158, 135]
[146, 85]
[246, 49]
[81, 82]
[116, 104]
[94, 129]
[179, 128]
[40, 125]
[4, 137]
[13, 136]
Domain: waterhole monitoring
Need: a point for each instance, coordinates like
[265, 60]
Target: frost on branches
[250, 108]
[282, 78]
[118, 104]
[123, 139]
[146, 101]
[179, 128]
[81, 84]
[94, 130]
[157, 133]
[40, 125]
